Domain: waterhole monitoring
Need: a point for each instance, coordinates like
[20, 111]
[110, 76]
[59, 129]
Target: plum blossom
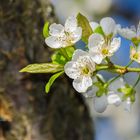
[107, 24]
[99, 48]
[135, 54]
[130, 33]
[81, 69]
[117, 98]
[99, 103]
[63, 36]
[103, 45]
[112, 97]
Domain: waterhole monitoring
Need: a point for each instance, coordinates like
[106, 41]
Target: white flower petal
[100, 103]
[56, 29]
[95, 40]
[71, 70]
[127, 33]
[108, 25]
[78, 53]
[82, 84]
[94, 25]
[96, 57]
[76, 34]
[114, 99]
[134, 52]
[53, 42]
[115, 44]
[71, 24]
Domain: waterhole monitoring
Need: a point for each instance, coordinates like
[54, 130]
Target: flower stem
[64, 53]
[99, 79]
[136, 82]
[113, 79]
[108, 61]
[117, 69]
[129, 64]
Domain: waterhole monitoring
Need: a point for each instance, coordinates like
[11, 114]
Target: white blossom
[99, 48]
[130, 33]
[63, 36]
[112, 97]
[91, 91]
[99, 103]
[107, 24]
[103, 45]
[80, 68]
[135, 54]
[116, 97]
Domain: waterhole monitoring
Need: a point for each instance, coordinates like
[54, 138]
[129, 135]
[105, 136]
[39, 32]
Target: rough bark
[26, 112]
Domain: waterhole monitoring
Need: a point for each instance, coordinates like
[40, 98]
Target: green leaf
[99, 30]
[132, 98]
[102, 88]
[99, 93]
[57, 58]
[46, 29]
[51, 81]
[128, 91]
[43, 68]
[131, 47]
[125, 90]
[136, 41]
[86, 28]
[70, 51]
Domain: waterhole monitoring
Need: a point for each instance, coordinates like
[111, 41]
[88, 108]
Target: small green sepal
[46, 30]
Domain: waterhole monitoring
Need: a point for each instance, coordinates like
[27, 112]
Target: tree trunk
[26, 112]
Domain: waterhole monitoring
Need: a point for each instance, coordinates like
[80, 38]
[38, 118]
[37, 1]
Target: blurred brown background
[26, 112]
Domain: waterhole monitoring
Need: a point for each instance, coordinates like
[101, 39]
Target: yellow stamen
[105, 51]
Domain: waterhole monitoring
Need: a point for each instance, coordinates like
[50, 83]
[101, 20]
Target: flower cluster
[83, 66]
